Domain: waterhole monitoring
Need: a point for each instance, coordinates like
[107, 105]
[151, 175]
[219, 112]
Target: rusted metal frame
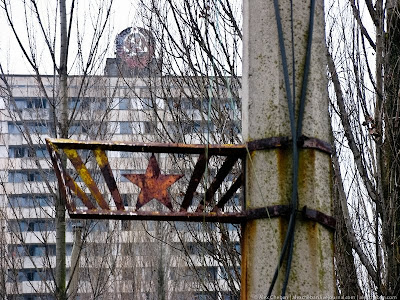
[222, 217]
[320, 217]
[314, 143]
[219, 178]
[273, 211]
[66, 182]
[228, 195]
[268, 212]
[223, 150]
[61, 175]
[283, 142]
[198, 172]
[269, 143]
[105, 168]
[74, 187]
[84, 173]
[284, 211]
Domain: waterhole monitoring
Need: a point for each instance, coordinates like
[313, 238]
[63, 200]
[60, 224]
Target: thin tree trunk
[60, 203]
[391, 180]
[344, 259]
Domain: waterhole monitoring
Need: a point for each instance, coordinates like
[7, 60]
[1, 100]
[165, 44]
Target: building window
[202, 104]
[33, 127]
[137, 249]
[77, 103]
[26, 151]
[233, 128]
[31, 297]
[17, 176]
[230, 273]
[39, 152]
[208, 273]
[231, 227]
[147, 103]
[182, 295]
[200, 248]
[98, 104]
[98, 226]
[146, 127]
[124, 103]
[42, 250]
[142, 103]
[229, 296]
[205, 296]
[14, 128]
[29, 176]
[16, 152]
[30, 103]
[36, 225]
[86, 103]
[187, 128]
[39, 128]
[36, 103]
[17, 250]
[236, 200]
[187, 104]
[190, 127]
[77, 128]
[29, 201]
[16, 276]
[34, 176]
[126, 225]
[20, 103]
[135, 127]
[125, 128]
[29, 275]
[194, 226]
[36, 250]
[141, 127]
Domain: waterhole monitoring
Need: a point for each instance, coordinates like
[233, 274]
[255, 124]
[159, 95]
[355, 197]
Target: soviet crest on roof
[135, 47]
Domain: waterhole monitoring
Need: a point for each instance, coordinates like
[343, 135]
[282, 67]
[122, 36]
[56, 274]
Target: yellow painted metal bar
[75, 188]
[84, 173]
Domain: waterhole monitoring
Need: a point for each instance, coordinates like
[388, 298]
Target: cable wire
[296, 133]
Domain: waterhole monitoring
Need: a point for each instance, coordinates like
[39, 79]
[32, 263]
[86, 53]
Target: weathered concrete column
[269, 181]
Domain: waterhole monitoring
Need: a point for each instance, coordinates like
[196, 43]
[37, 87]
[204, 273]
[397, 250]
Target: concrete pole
[268, 180]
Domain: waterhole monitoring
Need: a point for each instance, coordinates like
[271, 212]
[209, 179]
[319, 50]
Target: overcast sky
[123, 15]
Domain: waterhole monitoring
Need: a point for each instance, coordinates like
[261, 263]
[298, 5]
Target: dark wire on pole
[293, 131]
[306, 69]
[296, 132]
[295, 158]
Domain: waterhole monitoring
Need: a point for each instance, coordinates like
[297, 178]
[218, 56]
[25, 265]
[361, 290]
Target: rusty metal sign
[154, 185]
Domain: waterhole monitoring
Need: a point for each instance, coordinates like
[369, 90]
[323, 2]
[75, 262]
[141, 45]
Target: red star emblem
[153, 185]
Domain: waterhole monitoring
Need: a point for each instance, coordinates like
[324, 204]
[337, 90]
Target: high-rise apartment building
[118, 259]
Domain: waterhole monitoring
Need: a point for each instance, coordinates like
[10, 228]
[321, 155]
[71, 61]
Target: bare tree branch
[347, 128]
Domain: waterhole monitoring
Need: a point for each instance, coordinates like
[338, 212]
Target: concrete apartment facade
[119, 259]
